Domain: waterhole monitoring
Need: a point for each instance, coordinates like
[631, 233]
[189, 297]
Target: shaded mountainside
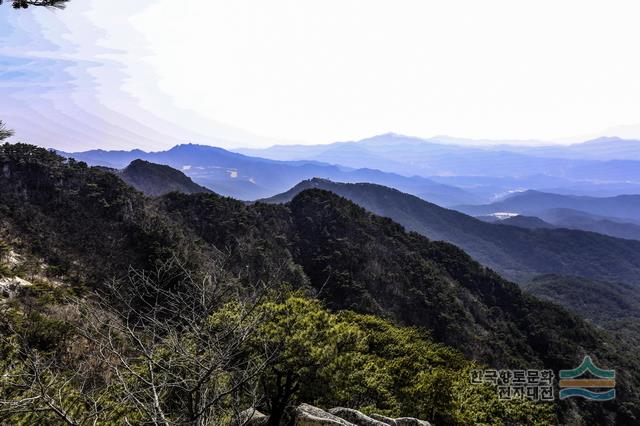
[602, 302]
[156, 179]
[89, 225]
[86, 222]
[613, 306]
[517, 253]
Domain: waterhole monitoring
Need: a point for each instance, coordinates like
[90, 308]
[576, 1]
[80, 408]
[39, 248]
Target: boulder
[355, 417]
[11, 287]
[410, 421]
[402, 421]
[383, 419]
[308, 415]
[251, 417]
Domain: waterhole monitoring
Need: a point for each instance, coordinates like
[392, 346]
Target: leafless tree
[45, 387]
[165, 349]
[176, 358]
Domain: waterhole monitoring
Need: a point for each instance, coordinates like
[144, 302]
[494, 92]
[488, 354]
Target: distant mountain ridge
[248, 178]
[602, 148]
[534, 203]
[470, 174]
[518, 253]
[529, 222]
[442, 155]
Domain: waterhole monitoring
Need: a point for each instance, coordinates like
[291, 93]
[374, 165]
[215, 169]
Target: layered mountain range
[248, 178]
[617, 216]
[442, 170]
[89, 225]
[605, 160]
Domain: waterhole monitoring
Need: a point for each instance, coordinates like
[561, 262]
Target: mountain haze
[535, 203]
[605, 160]
[248, 178]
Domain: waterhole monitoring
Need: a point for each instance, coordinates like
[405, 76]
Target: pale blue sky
[149, 74]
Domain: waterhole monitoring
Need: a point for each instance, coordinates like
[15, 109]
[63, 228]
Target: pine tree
[23, 4]
[4, 132]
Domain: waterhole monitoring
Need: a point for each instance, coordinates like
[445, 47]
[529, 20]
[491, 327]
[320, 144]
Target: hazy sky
[122, 73]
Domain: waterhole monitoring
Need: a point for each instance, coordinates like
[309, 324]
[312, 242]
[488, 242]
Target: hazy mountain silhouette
[249, 178]
[603, 149]
[493, 188]
[534, 203]
[409, 155]
[529, 222]
[575, 219]
[610, 159]
[572, 219]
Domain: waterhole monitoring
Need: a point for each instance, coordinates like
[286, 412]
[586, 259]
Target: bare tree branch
[171, 362]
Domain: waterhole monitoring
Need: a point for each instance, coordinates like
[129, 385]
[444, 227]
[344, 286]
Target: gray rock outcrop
[410, 421]
[308, 415]
[402, 421]
[251, 417]
[355, 417]
[383, 419]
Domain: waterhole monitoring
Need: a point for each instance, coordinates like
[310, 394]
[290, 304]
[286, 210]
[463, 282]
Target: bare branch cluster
[157, 354]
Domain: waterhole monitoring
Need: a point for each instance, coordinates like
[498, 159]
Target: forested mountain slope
[89, 225]
[614, 306]
[517, 253]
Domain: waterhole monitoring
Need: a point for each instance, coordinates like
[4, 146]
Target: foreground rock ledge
[356, 417]
[308, 415]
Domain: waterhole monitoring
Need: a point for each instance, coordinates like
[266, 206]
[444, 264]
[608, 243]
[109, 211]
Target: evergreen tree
[23, 4]
[4, 132]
